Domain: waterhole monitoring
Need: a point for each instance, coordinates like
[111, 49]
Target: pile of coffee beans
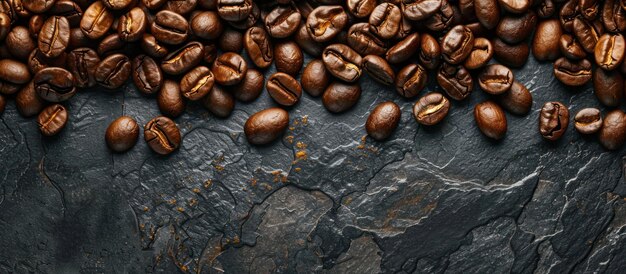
[214, 52]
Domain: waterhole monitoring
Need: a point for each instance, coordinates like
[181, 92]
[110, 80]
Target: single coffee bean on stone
[266, 126]
[229, 69]
[54, 84]
[496, 79]
[250, 87]
[588, 120]
[27, 101]
[609, 51]
[162, 135]
[456, 81]
[431, 109]
[315, 78]
[378, 69]
[608, 87]
[572, 73]
[52, 120]
[342, 62]
[197, 83]
[490, 119]
[288, 57]
[383, 120]
[553, 120]
[122, 134]
[480, 55]
[411, 80]
[170, 100]
[113, 71]
[340, 97]
[517, 100]
[82, 63]
[147, 74]
[284, 89]
[219, 102]
[613, 132]
[545, 45]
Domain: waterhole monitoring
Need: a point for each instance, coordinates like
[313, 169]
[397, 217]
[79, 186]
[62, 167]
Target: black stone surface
[323, 199]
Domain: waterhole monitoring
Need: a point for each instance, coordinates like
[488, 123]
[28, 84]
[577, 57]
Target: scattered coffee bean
[490, 119]
[515, 29]
[54, 36]
[54, 84]
[613, 132]
[219, 102]
[609, 51]
[259, 47]
[325, 22]
[315, 78]
[162, 135]
[431, 109]
[122, 134]
[480, 55]
[510, 55]
[170, 28]
[197, 83]
[496, 79]
[411, 80]
[553, 120]
[342, 62]
[132, 25]
[207, 25]
[517, 99]
[183, 59]
[385, 20]
[96, 21]
[52, 120]
[588, 120]
[572, 73]
[82, 63]
[147, 74]
[170, 99]
[340, 97]
[288, 58]
[608, 87]
[13, 72]
[20, 43]
[229, 69]
[404, 49]
[282, 21]
[378, 68]
[571, 48]
[250, 87]
[27, 101]
[266, 126]
[284, 89]
[545, 45]
[383, 120]
[457, 44]
[456, 81]
[113, 71]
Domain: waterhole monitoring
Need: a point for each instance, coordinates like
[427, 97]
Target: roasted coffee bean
[325, 22]
[162, 135]
[515, 6]
[495, 79]
[284, 89]
[456, 81]
[250, 87]
[363, 41]
[207, 25]
[340, 96]
[68, 9]
[182, 7]
[514, 29]
[510, 55]
[361, 8]
[430, 53]
[457, 44]
[442, 19]
[96, 20]
[589, 9]
[481, 53]
[151, 47]
[572, 73]
[420, 9]
[132, 25]
[411, 80]
[13, 72]
[306, 42]
[170, 28]
[342, 62]
[553, 120]
[38, 6]
[614, 16]
[54, 36]
[229, 69]
[250, 20]
[113, 71]
[545, 45]
[122, 134]
[231, 40]
[170, 99]
[184, 59]
[54, 84]
[282, 21]
[431, 109]
[147, 74]
[378, 69]
[404, 49]
[5, 25]
[52, 120]
[609, 51]
[219, 102]
[27, 101]
[487, 12]
[118, 4]
[546, 8]
[82, 63]
[490, 119]
[197, 83]
[517, 99]
[259, 47]
[586, 34]
[3, 104]
[385, 20]
[588, 120]
[613, 132]
[608, 87]
[315, 78]
[111, 44]
[266, 126]
[288, 57]
[569, 11]
[19, 42]
[234, 10]
[78, 39]
[570, 48]
[383, 120]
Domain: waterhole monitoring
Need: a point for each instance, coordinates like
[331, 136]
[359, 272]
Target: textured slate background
[324, 199]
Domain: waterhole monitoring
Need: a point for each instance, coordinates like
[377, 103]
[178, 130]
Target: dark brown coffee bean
[207, 25]
[111, 44]
[613, 132]
[553, 120]
[96, 20]
[546, 8]
[259, 47]
[517, 99]
[181, 7]
[342, 62]
[363, 41]
[284, 89]
[570, 48]
[444, 18]
[378, 69]
[306, 42]
[545, 45]
[404, 49]
[68, 9]
[231, 40]
[431, 109]
[234, 10]
[609, 51]
[266, 126]
[82, 63]
[219, 102]
[54, 36]
[411, 80]
[315, 78]
[184, 59]
[430, 54]
[288, 57]
[515, 6]
[457, 44]
[19, 42]
[13, 72]
[147, 75]
[340, 96]
[52, 120]
[250, 20]
[481, 53]
[385, 20]
[589, 9]
[588, 120]
[456, 81]
[586, 34]
[250, 87]
[614, 16]
[361, 8]
[608, 87]
[510, 55]
[151, 47]
[162, 135]
[325, 22]
[383, 120]
[170, 28]
[229, 69]
[490, 119]
[572, 73]
[54, 84]
[113, 71]
[487, 12]
[122, 134]
[38, 6]
[514, 29]
[197, 83]
[132, 25]
[170, 99]
[27, 101]
[420, 9]
[5, 25]
[495, 79]
[282, 21]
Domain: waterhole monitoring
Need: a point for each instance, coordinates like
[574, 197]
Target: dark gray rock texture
[324, 199]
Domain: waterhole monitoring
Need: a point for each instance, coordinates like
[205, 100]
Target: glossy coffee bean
[13, 72]
[197, 83]
[480, 55]
[514, 29]
[170, 28]
[162, 135]
[378, 69]
[383, 120]
[219, 102]
[362, 40]
[27, 101]
[306, 43]
[147, 75]
[68, 9]
[361, 8]
[609, 51]
[588, 120]
[284, 89]
[315, 78]
[52, 120]
[230, 41]
[122, 134]
[430, 52]
[54, 36]
[517, 99]
[266, 126]
[288, 57]
[404, 49]
[510, 55]
[96, 20]
[183, 59]
[553, 120]
[282, 21]
[572, 73]
[431, 109]
[608, 87]
[54, 84]
[113, 71]
[132, 25]
[495, 79]
[490, 119]
[170, 99]
[487, 12]
[457, 44]
[614, 16]
[250, 87]
[411, 80]
[325, 22]
[78, 39]
[545, 44]
[420, 9]
[385, 20]
[342, 62]
[613, 132]
[234, 10]
[443, 19]
[82, 63]
[571, 48]
[19, 42]
[258, 46]
[207, 25]
[229, 69]
[151, 47]
[586, 33]
[456, 81]
[340, 96]
[250, 20]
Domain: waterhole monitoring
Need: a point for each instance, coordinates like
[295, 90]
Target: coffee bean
[570, 48]
[96, 21]
[609, 51]
[3, 104]
[586, 34]
[385, 20]
[162, 135]
[266, 126]
[514, 29]
[234, 10]
[132, 25]
[589, 9]
[411, 80]
[383, 120]
[250, 87]
[340, 96]
[342, 62]
[378, 69]
[404, 49]
[113, 71]
[54, 84]
[82, 63]
[457, 44]
[572, 73]
[111, 44]
[553, 120]
[122, 134]
[258, 45]
[515, 6]
[147, 75]
[545, 45]
[430, 53]
[13, 72]
[546, 8]
[229, 69]
[68, 9]
[284, 89]
[151, 47]
[495, 79]
[490, 119]
[207, 25]
[487, 12]
[197, 83]
[250, 20]
[420, 9]
[325, 22]
[27, 101]
[608, 87]
[510, 55]
[54, 36]
[613, 132]
[19, 42]
[614, 16]
[219, 102]
[517, 99]
[288, 57]
[170, 28]
[52, 120]
[363, 41]
[183, 59]
[170, 99]
[481, 53]
[282, 21]
[231, 40]
[456, 81]
[431, 109]
[306, 42]
[315, 78]
[361, 8]
[588, 120]
[443, 18]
